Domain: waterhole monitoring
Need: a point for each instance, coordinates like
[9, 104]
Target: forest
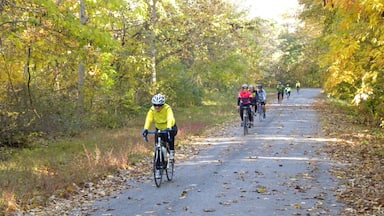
[71, 66]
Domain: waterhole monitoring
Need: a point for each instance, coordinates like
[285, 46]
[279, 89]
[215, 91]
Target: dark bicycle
[287, 93]
[260, 111]
[161, 160]
[246, 120]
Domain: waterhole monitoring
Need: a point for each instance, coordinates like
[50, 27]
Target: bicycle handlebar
[158, 132]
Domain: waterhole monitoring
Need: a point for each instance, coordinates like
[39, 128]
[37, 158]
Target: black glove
[144, 132]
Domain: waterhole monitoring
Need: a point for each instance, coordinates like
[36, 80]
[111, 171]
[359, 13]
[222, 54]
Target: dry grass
[28, 177]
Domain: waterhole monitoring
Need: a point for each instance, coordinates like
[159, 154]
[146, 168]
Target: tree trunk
[81, 81]
[153, 41]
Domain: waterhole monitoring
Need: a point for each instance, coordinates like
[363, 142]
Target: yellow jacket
[163, 119]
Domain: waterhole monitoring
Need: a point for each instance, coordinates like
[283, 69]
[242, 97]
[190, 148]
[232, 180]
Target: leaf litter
[360, 157]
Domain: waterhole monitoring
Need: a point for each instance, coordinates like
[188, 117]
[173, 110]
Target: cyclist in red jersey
[244, 99]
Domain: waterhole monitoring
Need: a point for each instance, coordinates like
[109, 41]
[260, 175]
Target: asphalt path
[279, 168]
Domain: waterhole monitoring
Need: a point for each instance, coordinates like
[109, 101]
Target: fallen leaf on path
[183, 194]
[225, 203]
[261, 190]
[209, 210]
[297, 206]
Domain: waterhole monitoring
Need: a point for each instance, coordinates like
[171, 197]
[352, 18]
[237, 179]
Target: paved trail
[278, 169]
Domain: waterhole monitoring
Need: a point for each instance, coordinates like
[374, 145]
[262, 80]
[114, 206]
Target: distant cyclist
[297, 86]
[288, 91]
[280, 92]
[244, 100]
[262, 97]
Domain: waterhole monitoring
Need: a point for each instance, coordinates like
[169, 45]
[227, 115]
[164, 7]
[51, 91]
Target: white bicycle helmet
[251, 87]
[158, 99]
[244, 86]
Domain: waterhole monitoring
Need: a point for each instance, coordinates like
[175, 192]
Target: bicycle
[288, 93]
[260, 111]
[161, 160]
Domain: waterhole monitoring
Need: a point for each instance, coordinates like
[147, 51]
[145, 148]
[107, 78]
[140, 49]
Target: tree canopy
[347, 44]
[68, 65]
[71, 65]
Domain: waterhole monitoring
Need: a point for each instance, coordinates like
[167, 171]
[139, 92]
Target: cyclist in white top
[261, 95]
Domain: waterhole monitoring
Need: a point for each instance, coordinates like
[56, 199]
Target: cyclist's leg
[172, 145]
[264, 108]
[172, 135]
[241, 115]
[279, 96]
[241, 112]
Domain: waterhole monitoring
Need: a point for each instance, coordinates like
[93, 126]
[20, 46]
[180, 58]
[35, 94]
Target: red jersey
[244, 98]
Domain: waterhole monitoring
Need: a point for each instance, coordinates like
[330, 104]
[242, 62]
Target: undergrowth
[30, 176]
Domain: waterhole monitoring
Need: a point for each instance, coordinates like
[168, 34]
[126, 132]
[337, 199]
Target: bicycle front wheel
[245, 126]
[158, 167]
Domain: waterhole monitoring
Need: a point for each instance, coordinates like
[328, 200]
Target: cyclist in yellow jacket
[162, 114]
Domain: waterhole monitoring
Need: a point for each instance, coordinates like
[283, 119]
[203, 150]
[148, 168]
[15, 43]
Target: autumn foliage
[352, 53]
